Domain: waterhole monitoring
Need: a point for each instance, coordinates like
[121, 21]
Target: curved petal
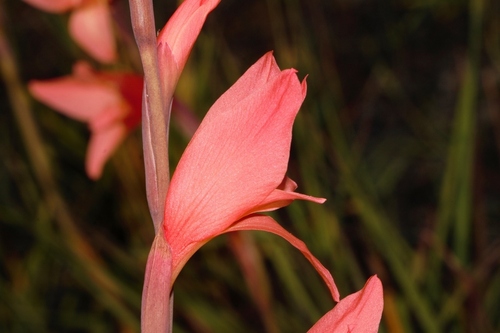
[76, 99]
[266, 223]
[357, 313]
[102, 144]
[54, 6]
[237, 157]
[262, 72]
[281, 198]
[183, 28]
[92, 29]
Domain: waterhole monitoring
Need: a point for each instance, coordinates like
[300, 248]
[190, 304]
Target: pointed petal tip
[357, 313]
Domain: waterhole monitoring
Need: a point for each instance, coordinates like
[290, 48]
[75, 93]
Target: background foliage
[400, 131]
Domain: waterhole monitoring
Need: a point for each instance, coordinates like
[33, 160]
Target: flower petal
[266, 223]
[357, 313]
[110, 102]
[130, 87]
[101, 145]
[75, 98]
[177, 38]
[283, 196]
[237, 157]
[54, 6]
[183, 28]
[92, 29]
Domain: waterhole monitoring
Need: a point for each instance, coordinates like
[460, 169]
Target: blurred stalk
[252, 266]
[455, 204]
[318, 226]
[278, 254]
[455, 210]
[109, 289]
[391, 245]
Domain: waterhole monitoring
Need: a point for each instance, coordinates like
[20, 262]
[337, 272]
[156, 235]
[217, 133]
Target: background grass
[400, 131]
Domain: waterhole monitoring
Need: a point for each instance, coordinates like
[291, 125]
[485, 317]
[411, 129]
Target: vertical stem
[157, 301]
[155, 116]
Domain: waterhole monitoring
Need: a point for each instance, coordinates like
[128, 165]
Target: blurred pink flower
[110, 102]
[90, 24]
[357, 313]
[233, 168]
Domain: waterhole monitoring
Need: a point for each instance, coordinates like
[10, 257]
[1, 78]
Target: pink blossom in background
[357, 313]
[90, 24]
[110, 102]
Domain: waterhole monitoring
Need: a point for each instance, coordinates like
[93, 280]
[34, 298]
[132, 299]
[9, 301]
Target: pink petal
[74, 98]
[183, 28]
[54, 6]
[237, 157]
[109, 116]
[130, 87]
[110, 102]
[92, 29]
[84, 71]
[177, 38]
[357, 313]
[288, 185]
[102, 144]
[266, 223]
[283, 196]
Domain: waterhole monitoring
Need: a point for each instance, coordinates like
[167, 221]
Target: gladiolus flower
[89, 24]
[109, 102]
[233, 168]
[235, 165]
[357, 313]
[177, 38]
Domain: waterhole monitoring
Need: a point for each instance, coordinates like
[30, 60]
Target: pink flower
[357, 313]
[235, 165]
[233, 169]
[177, 38]
[109, 102]
[90, 24]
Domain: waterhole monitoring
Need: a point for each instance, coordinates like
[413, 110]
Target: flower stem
[156, 112]
[157, 301]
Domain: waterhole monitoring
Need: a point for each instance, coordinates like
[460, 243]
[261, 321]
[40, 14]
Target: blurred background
[400, 131]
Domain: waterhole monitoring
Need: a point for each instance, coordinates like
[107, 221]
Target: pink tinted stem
[157, 299]
[156, 114]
